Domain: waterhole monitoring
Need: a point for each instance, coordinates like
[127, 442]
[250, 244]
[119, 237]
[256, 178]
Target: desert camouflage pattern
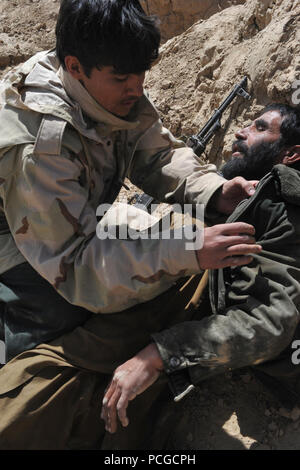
[61, 156]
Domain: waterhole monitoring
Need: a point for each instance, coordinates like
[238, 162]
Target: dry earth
[259, 39]
[177, 16]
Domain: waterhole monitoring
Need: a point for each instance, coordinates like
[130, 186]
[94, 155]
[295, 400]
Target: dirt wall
[260, 40]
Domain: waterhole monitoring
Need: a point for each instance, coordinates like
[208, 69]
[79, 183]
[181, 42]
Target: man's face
[257, 148]
[115, 92]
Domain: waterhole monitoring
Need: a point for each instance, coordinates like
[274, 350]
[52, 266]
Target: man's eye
[121, 79]
[261, 126]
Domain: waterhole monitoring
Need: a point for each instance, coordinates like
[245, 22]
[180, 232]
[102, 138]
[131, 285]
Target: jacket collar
[36, 85]
[289, 179]
[90, 106]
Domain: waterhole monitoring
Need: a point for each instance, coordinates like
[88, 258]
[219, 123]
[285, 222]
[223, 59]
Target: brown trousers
[50, 396]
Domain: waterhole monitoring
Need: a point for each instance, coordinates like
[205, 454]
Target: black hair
[115, 33]
[290, 126]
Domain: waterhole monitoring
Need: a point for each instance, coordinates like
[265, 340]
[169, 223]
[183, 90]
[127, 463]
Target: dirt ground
[233, 411]
[236, 412]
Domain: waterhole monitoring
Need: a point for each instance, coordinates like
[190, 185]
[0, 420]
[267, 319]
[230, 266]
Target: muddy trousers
[51, 395]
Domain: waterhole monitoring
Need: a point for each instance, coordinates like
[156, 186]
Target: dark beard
[257, 161]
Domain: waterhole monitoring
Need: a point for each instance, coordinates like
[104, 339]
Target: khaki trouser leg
[57, 409]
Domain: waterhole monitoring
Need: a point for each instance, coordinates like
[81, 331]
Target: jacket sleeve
[168, 170]
[261, 312]
[55, 228]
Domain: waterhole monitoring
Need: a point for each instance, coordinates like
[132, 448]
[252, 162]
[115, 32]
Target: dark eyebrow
[261, 123]
[115, 72]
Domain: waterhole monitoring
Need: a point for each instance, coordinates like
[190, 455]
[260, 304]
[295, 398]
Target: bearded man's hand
[232, 193]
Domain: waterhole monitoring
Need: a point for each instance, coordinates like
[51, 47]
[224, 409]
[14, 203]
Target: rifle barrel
[218, 112]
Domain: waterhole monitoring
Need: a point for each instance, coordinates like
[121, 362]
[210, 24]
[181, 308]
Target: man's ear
[74, 67]
[292, 155]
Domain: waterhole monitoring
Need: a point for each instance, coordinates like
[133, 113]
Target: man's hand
[227, 245]
[232, 193]
[129, 380]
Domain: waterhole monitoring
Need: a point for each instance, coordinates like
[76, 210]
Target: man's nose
[135, 84]
[241, 134]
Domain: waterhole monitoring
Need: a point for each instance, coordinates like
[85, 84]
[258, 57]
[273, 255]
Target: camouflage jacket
[253, 313]
[59, 162]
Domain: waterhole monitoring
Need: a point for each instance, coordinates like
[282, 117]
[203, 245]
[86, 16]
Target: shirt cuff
[215, 183]
[182, 251]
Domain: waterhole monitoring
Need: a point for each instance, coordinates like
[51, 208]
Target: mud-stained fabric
[256, 307]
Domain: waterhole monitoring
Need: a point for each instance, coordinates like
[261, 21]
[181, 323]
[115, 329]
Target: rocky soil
[236, 412]
[259, 39]
[26, 27]
[211, 46]
[176, 16]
